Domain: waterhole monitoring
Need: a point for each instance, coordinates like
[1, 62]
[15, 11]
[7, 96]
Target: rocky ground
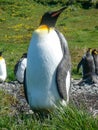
[83, 95]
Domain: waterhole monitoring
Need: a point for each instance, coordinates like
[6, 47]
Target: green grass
[69, 118]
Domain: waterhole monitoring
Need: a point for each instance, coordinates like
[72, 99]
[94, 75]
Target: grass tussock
[69, 118]
[62, 118]
[6, 102]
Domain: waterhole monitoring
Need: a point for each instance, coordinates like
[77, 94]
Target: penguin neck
[95, 52]
[45, 27]
[1, 58]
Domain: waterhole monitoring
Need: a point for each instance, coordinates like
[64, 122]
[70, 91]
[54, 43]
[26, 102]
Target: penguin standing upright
[48, 72]
[20, 67]
[95, 56]
[3, 71]
[88, 67]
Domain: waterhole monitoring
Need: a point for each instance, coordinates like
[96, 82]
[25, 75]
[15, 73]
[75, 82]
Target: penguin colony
[89, 63]
[48, 72]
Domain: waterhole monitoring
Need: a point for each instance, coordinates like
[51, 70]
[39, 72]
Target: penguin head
[94, 52]
[50, 18]
[89, 50]
[1, 55]
[24, 55]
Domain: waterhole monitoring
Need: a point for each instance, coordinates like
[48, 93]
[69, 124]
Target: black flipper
[25, 86]
[63, 67]
[80, 64]
[16, 66]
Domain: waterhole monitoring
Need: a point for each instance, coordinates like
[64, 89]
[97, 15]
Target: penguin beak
[58, 12]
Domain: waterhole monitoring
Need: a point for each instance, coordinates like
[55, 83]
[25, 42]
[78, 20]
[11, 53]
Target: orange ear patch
[95, 52]
[1, 58]
[43, 27]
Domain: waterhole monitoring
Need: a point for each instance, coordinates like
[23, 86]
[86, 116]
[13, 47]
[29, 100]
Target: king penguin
[95, 56]
[87, 64]
[20, 67]
[48, 72]
[3, 71]
[88, 67]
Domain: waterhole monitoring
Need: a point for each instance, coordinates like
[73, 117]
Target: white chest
[3, 73]
[21, 69]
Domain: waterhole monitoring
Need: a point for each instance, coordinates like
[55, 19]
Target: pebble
[87, 94]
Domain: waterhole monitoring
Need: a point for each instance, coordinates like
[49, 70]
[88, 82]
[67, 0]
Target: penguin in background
[48, 73]
[95, 56]
[20, 67]
[3, 70]
[88, 67]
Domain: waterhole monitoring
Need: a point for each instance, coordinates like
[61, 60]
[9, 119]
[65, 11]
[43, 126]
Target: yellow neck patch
[90, 50]
[43, 27]
[1, 57]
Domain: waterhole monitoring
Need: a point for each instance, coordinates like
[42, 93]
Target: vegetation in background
[82, 3]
